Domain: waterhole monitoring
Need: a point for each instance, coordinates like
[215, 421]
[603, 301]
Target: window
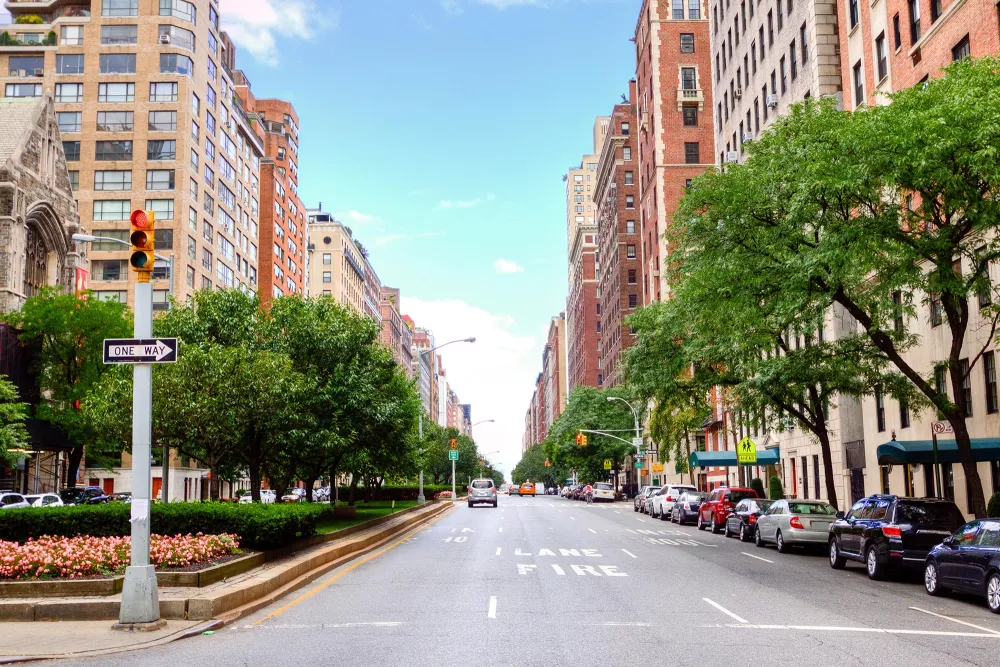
[69, 64]
[630, 227]
[852, 6]
[69, 92]
[629, 178]
[694, 9]
[962, 49]
[115, 121]
[687, 42]
[161, 150]
[804, 43]
[189, 277]
[112, 210]
[935, 10]
[163, 239]
[904, 413]
[71, 35]
[937, 310]
[792, 60]
[781, 16]
[212, 71]
[784, 79]
[162, 121]
[859, 85]
[629, 201]
[895, 30]
[692, 153]
[174, 63]
[175, 36]
[74, 180]
[210, 97]
[327, 277]
[689, 79]
[990, 376]
[914, 21]
[984, 293]
[163, 92]
[630, 251]
[690, 116]
[178, 9]
[112, 180]
[69, 121]
[71, 150]
[897, 311]
[116, 92]
[23, 90]
[117, 63]
[880, 411]
[626, 153]
[119, 35]
[678, 9]
[119, 7]
[880, 57]
[963, 366]
[941, 380]
[160, 179]
[107, 269]
[626, 129]
[770, 29]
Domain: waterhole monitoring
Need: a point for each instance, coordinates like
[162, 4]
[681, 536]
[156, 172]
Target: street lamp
[638, 439]
[482, 457]
[420, 423]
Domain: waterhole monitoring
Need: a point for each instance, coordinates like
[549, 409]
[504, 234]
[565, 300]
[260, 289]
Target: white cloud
[380, 241]
[255, 25]
[455, 6]
[507, 266]
[495, 374]
[451, 204]
[359, 217]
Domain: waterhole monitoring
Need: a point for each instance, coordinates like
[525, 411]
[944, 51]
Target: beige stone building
[580, 183]
[336, 264]
[144, 100]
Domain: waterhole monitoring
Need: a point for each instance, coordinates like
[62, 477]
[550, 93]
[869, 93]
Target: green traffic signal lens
[140, 260]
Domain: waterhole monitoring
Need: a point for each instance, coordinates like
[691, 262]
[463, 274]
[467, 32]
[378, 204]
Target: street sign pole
[420, 427]
[140, 600]
[453, 496]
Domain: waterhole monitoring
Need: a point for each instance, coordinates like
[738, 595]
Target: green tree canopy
[12, 415]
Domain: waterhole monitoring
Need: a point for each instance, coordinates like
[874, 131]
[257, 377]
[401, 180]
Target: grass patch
[366, 512]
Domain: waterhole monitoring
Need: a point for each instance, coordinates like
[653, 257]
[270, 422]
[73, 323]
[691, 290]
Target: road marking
[955, 620]
[638, 519]
[306, 626]
[725, 611]
[630, 553]
[501, 529]
[757, 557]
[524, 568]
[498, 551]
[492, 613]
[630, 530]
[592, 530]
[878, 631]
[627, 624]
[561, 572]
[573, 518]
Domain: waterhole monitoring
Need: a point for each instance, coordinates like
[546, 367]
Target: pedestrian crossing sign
[746, 452]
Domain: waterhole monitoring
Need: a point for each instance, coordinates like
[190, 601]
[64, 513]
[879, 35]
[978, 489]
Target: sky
[440, 131]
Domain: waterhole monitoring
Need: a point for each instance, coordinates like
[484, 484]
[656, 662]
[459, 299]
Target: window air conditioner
[165, 38]
[746, 137]
[738, 94]
[732, 156]
[39, 72]
[772, 101]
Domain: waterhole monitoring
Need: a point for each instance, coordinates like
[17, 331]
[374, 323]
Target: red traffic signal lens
[140, 219]
[140, 260]
[140, 239]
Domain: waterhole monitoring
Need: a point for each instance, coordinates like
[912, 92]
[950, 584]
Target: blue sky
[440, 131]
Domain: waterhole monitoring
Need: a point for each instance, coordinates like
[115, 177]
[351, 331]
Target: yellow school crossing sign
[607, 464]
[746, 452]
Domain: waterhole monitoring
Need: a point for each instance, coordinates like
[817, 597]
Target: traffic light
[547, 464]
[584, 439]
[579, 439]
[454, 443]
[143, 243]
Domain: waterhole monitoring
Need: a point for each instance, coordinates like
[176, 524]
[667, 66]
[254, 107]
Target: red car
[719, 505]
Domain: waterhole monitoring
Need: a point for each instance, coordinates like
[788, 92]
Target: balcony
[48, 10]
[689, 95]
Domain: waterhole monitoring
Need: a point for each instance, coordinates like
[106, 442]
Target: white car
[662, 503]
[10, 501]
[604, 491]
[44, 500]
[267, 497]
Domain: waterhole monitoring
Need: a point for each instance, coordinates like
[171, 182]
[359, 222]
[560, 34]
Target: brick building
[617, 191]
[554, 371]
[583, 310]
[396, 333]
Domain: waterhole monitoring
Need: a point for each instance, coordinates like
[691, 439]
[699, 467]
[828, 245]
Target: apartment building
[617, 191]
[580, 191]
[144, 98]
[674, 100]
[466, 428]
[530, 437]
[554, 370]
[539, 411]
[396, 333]
[372, 298]
[336, 265]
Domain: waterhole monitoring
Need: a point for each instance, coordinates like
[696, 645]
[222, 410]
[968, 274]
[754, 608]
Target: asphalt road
[548, 581]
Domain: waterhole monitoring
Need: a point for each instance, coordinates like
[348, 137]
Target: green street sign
[452, 454]
[638, 465]
[607, 464]
[746, 452]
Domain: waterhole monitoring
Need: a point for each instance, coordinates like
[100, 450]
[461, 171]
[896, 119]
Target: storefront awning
[922, 451]
[727, 459]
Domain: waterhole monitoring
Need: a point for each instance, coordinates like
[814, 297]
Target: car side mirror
[949, 541]
[840, 515]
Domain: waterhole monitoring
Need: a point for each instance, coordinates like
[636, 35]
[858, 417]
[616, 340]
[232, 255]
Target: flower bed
[78, 557]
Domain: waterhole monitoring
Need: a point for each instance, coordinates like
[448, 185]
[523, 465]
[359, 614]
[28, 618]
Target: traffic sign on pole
[140, 350]
[607, 464]
[638, 465]
[746, 452]
[453, 455]
[942, 427]
[637, 443]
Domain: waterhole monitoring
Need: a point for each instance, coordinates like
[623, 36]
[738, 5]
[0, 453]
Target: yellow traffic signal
[579, 439]
[547, 464]
[454, 443]
[584, 439]
[143, 243]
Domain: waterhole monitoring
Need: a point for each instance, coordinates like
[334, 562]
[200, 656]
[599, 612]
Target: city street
[540, 581]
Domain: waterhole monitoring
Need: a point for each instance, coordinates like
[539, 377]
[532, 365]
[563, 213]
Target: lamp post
[482, 457]
[637, 441]
[88, 238]
[485, 421]
[420, 424]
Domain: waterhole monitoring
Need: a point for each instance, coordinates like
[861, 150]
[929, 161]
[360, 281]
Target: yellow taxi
[527, 489]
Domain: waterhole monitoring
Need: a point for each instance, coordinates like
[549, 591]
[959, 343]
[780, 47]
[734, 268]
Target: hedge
[777, 491]
[757, 484]
[259, 526]
[398, 492]
[993, 509]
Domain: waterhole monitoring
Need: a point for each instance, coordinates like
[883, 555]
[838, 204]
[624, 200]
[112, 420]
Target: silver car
[795, 522]
[483, 491]
[10, 501]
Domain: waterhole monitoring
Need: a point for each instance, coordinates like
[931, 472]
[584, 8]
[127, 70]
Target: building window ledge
[688, 95]
[914, 51]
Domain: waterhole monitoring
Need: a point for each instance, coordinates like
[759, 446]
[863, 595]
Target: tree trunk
[309, 482]
[352, 490]
[215, 482]
[831, 488]
[73, 465]
[253, 470]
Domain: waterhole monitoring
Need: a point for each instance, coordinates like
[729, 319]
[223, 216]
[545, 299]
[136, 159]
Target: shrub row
[399, 492]
[258, 526]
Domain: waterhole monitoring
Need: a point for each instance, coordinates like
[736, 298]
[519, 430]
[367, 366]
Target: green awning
[727, 459]
[922, 451]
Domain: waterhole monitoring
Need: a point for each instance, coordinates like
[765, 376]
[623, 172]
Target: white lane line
[501, 529]
[726, 611]
[498, 551]
[955, 620]
[629, 553]
[631, 531]
[592, 530]
[638, 519]
[304, 626]
[492, 613]
[627, 624]
[757, 557]
[877, 631]
[573, 518]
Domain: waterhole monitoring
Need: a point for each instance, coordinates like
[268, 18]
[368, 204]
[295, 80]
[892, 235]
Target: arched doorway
[35, 267]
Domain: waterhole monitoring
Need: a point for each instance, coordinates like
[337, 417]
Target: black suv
[883, 530]
[87, 495]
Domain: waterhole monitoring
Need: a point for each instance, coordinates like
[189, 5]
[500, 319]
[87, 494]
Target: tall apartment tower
[674, 115]
[554, 371]
[617, 194]
[144, 97]
[767, 56]
[335, 263]
[283, 217]
[395, 334]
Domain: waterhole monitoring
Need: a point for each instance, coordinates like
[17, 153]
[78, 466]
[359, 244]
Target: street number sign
[942, 427]
[607, 464]
[140, 350]
[452, 454]
[746, 451]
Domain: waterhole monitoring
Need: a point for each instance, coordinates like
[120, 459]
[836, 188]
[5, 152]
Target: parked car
[644, 496]
[482, 491]
[743, 519]
[888, 531]
[321, 494]
[44, 500]
[637, 500]
[662, 502]
[687, 507]
[604, 492]
[969, 562]
[125, 497]
[528, 489]
[293, 495]
[721, 502]
[539, 489]
[267, 497]
[12, 501]
[515, 490]
[87, 495]
[795, 522]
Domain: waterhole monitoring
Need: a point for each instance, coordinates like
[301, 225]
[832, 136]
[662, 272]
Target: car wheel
[779, 542]
[701, 523]
[993, 593]
[931, 579]
[680, 520]
[743, 533]
[837, 561]
[664, 516]
[470, 505]
[876, 570]
[725, 529]
[494, 504]
[758, 539]
[715, 528]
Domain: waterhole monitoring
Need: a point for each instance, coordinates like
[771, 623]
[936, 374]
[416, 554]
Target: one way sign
[140, 351]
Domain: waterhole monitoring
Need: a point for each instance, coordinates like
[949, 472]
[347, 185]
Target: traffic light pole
[140, 599]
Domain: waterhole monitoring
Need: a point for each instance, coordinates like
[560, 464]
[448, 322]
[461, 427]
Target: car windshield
[482, 484]
[824, 509]
[291, 492]
[764, 504]
[737, 496]
[69, 495]
[602, 486]
[694, 496]
[651, 490]
[918, 512]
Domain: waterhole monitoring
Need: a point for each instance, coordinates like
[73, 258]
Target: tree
[69, 331]
[532, 468]
[777, 491]
[12, 415]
